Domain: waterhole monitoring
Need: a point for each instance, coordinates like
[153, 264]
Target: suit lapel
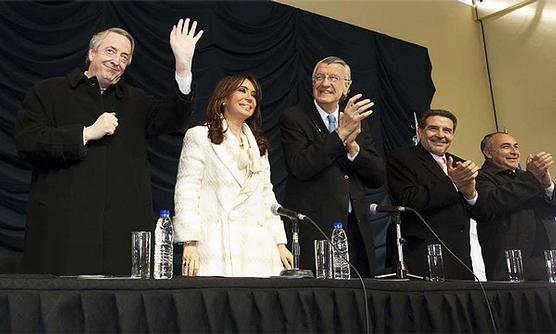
[429, 162]
[316, 120]
[226, 153]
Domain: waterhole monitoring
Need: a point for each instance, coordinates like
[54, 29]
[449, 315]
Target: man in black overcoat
[330, 158]
[517, 208]
[85, 136]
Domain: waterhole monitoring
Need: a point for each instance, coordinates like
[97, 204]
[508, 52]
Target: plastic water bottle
[163, 246]
[339, 239]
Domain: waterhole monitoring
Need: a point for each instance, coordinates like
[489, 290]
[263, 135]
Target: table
[250, 305]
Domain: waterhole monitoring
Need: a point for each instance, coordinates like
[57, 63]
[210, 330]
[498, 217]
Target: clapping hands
[538, 165]
[349, 127]
[463, 175]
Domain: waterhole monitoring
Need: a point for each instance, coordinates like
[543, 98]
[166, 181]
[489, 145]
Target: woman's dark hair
[215, 110]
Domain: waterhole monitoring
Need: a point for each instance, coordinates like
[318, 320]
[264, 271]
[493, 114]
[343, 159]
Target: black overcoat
[86, 200]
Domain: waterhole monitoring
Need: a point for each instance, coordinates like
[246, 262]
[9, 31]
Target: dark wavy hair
[422, 123]
[215, 110]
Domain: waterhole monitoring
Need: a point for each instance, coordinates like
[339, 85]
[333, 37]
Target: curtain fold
[277, 43]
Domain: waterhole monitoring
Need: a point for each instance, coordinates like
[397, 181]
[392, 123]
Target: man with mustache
[85, 136]
[330, 158]
[441, 187]
[517, 207]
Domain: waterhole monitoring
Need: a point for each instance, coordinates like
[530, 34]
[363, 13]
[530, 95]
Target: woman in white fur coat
[223, 190]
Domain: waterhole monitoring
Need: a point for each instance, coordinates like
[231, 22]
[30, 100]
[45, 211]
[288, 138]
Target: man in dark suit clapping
[330, 159]
[441, 187]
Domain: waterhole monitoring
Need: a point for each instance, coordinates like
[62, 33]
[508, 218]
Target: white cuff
[473, 200]
[352, 157]
[184, 83]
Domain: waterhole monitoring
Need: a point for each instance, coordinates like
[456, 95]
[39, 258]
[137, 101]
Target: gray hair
[334, 60]
[97, 38]
[487, 141]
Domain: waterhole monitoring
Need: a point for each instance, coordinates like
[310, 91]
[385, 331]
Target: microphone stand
[401, 269]
[296, 272]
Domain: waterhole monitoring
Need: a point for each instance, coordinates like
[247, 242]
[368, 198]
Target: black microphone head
[372, 208]
[274, 209]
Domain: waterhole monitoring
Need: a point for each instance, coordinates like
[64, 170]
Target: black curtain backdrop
[279, 44]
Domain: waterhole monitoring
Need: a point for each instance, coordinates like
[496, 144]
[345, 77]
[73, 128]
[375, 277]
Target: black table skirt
[250, 305]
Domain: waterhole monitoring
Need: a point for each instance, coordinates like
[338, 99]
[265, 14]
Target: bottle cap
[338, 224]
[164, 212]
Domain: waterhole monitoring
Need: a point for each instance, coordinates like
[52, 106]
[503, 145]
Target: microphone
[375, 208]
[279, 210]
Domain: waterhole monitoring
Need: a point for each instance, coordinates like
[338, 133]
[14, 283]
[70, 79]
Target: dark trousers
[357, 250]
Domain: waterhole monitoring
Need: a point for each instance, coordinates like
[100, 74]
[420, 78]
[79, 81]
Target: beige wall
[453, 38]
[522, 49]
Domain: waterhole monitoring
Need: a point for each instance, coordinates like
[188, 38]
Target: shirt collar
[323, 114]
[435, 156]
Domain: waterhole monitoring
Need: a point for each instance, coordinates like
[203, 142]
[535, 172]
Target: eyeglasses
[331, 77]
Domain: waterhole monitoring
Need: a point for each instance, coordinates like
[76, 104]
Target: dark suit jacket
[417, 181]
[321, 178]
[86, 200]
[514, 213]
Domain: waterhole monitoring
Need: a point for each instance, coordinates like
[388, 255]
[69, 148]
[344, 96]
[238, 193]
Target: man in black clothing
[85, 135]
[516, 208]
